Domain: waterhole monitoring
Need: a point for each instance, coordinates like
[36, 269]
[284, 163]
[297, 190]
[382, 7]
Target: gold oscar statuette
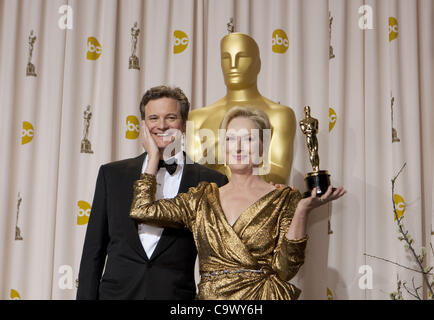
[317, 178]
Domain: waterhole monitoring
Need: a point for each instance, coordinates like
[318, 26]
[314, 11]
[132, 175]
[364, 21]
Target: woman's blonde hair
[257, 116]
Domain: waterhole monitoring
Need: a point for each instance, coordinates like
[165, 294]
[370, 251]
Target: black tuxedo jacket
[129, 273]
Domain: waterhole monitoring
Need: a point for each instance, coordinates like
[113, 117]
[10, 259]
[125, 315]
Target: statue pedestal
[134, 63]
[30, 70]
[320, 180]
[85, 146]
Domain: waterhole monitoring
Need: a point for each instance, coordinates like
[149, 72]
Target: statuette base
[319, 179]
[134, 63]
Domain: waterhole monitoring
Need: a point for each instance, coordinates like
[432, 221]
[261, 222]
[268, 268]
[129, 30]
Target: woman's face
[243, 146]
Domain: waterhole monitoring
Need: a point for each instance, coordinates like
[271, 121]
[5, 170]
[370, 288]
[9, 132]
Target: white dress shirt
[167, 187]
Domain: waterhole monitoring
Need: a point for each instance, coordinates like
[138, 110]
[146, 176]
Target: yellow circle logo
[94, 48]
[399, 205]
[15, 295]
[83, 212]
[329, 294]
[279, 41]
[27, 132]
[180, 41]
[332, 119]
[133, 128]
[393, 28]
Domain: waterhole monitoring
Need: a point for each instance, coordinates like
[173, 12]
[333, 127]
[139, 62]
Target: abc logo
[399, 205]
[180, 41]
[393, 28]
[133, 128]
[15, 295]
[332, 119]
[94, 48]
[83, 212]
[279, 41]
[27, 132]
[329, 294]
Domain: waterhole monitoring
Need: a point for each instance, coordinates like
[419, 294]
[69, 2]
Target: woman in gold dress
[250, 235]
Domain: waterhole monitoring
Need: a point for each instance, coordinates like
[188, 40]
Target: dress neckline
[220, 207]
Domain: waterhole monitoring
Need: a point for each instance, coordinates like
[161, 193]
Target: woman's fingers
[342, 192]
[325, 197]
[339, 192]
[313, 192]
[331, 195]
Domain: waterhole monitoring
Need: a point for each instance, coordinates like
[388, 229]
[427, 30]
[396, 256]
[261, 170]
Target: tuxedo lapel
[190, 178]
[133, 173]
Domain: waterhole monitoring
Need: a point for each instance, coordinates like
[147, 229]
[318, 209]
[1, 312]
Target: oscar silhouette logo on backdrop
[180, 41]
[331, 53]
[18, 235]
[394, 131]
[86, 146]
[241, 63]
[279, 41]
[133, 62]
[27, 132]
[94, 48]
[133, 128]
[30, 69]
[83, 212]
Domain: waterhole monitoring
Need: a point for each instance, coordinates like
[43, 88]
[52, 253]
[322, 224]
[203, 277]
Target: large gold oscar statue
[241, 63]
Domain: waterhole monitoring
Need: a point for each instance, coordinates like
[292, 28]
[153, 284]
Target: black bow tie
[171, 168]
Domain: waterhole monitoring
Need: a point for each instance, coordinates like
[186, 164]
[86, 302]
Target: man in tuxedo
[143, 261]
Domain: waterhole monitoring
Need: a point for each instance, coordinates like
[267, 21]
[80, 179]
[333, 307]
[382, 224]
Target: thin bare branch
[399, 265]
[407, 238]
[409, 292]
[399, 172]
[416, 289]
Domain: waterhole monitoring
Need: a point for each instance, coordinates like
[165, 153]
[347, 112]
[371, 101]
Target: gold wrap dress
[252, 259]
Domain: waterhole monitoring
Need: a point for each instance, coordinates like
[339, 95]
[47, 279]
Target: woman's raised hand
[313, 201]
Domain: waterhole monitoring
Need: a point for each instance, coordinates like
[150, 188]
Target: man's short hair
[166, 92]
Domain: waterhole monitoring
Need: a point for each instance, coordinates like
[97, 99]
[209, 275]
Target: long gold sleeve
[176, 212]
[289, 254]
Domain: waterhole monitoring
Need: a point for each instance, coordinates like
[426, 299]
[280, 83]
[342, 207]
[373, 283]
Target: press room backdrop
[364, 67]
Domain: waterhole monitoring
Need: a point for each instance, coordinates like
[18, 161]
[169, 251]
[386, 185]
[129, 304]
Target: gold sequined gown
[252, 259]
